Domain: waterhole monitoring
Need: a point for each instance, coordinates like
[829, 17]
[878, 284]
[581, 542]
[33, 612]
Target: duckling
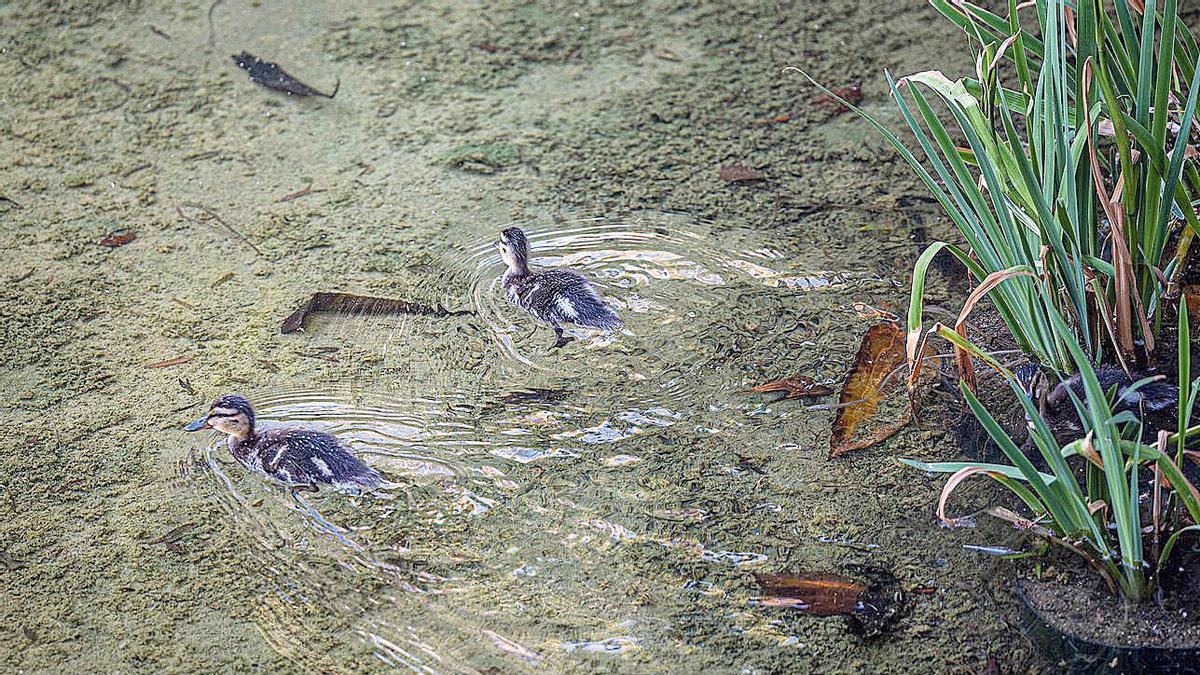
[555, 297]
[299, 458]
[1155, 398]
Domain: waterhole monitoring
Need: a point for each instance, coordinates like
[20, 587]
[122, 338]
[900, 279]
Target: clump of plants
[1067, 166]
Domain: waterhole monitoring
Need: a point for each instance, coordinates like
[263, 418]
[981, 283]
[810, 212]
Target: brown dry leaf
[347, 303]
[739, 173]
[1191, 294]
[800, 386]
[118, 238]
[881, 353]
[852, 94]
[819, 594]
[664, 53]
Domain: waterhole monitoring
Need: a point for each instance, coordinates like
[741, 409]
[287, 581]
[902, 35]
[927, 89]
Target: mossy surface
[132, 116]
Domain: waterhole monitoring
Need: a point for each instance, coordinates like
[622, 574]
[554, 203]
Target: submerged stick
[346, 303]
[213, 214]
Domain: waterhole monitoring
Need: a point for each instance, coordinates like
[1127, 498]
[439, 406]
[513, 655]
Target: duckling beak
[199, 424]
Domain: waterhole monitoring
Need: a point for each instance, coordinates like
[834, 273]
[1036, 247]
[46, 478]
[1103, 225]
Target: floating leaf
[346, 303]
[738, 173]
[118, 238]
[879, 355]
[271, 76]
[852, 94]
[800, 386]
[664, 53]
[819, 594]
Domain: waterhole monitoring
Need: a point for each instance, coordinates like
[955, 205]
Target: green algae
[93, 471]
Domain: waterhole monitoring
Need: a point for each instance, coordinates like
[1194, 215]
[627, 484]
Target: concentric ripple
[698, 305]
[543, 506]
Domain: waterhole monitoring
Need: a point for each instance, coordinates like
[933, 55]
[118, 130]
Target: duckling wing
[562, 296]
[301, 456]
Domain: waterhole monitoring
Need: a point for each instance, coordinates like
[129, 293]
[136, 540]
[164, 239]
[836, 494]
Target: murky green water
[603, 507]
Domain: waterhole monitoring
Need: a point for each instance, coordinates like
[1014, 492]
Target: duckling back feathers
[559, 297]
[305, 457]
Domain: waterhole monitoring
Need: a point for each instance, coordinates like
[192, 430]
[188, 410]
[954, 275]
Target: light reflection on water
[543, 508]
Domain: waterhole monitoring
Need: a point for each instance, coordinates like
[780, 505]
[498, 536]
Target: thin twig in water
[160, 32]
[124, 88]
[139, 167]
[201, 155]
[213, 214]
[299, 193]
[212, 33]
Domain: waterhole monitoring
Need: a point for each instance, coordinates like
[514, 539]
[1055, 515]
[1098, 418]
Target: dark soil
[1075, 601]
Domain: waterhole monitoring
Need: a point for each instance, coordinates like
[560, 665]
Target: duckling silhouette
[1155, 398]
[298, 458]
[555, 297]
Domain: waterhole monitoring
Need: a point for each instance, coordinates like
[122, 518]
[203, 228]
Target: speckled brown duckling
[299, 458]
[555, 297]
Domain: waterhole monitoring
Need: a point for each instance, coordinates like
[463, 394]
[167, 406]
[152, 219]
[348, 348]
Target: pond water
[600, 507]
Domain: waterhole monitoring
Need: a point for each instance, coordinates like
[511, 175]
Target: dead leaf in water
[879, 355]
[819, 594]
[664, 53]
[346, 303]
[851, 94]
[738, 173]
[118, 238]
[800, 386]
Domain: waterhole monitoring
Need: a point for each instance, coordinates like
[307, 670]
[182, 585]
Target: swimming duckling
[555, 297]
[299, 458]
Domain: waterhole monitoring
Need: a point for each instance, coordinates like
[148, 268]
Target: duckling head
[230, 414]
[514, 250]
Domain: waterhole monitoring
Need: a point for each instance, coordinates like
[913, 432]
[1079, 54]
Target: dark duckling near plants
[555, 297]
[302, 459]
[1156, 398]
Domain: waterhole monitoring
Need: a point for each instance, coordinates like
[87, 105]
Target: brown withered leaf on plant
[799, 386]
[880, 354]
[819, 594]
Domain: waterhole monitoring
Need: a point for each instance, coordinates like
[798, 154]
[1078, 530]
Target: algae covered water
[600, 507]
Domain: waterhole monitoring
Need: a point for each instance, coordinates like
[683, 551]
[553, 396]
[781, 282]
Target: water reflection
[545, 507]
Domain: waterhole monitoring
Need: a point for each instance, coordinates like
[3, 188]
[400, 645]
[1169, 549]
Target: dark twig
[160, 32]
[201, 155]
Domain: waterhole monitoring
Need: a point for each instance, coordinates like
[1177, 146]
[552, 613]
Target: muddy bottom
[1079, 605]
[603, 507]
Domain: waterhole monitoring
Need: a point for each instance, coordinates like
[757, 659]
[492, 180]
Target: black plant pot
[1069, 653]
